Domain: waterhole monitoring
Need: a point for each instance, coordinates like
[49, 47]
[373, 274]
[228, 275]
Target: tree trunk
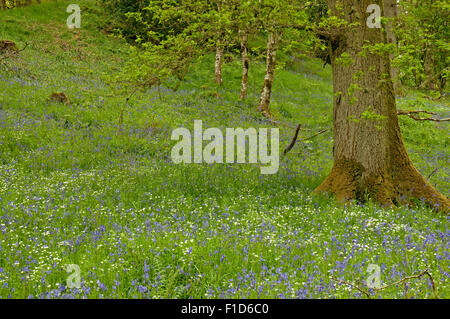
[390, 12]
[245, 64]
[272, 46]
[369, 154]
[429, 71]
[218, 64]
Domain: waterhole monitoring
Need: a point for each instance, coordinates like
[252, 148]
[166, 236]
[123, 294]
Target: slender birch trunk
[245, 65]
[218, 64]
[272, 46]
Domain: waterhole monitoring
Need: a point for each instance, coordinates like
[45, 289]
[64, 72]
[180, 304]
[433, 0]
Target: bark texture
[369, 154]
[272, 46]
[245, 64]
[218, 65]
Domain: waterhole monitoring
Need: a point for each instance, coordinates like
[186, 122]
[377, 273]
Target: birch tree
[275, 16]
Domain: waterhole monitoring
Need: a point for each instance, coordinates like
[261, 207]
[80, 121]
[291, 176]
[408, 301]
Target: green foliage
[344, 59]
[129, 28]
[423, 34]
[166, 63]
[92, 183]
[369, 115]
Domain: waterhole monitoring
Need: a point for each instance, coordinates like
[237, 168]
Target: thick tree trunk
[218, 64]
[272, 46]
[390, 12]
[245, 64]
[369, 154]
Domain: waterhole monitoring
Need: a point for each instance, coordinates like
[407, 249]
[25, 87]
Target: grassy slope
[92, 183]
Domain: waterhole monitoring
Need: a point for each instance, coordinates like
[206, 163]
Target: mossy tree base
[348, 181]
[369, 154]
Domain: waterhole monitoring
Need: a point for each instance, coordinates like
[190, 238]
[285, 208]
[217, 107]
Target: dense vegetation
[92, 183]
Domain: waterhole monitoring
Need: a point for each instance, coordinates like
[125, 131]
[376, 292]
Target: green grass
[92, 183]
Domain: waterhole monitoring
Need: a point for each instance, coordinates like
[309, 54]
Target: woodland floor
[92, 183]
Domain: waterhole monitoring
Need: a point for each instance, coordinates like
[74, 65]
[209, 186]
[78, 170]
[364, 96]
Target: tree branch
[294, 139]
[318, 133]
[353, 286]
[423, 273]
[432, 173]
[403, 280]
[412, 115]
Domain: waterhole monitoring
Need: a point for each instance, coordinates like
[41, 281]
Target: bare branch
[318, 133]
[353, 286]
[423, 273]
[403, 280]
[412, 113]
[294, 139]
[433, 172]
[271, 120]
[401, 112]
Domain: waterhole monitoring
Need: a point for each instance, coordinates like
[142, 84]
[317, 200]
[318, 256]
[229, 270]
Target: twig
[403, 280]
[353, 286]
[401, 112]
[411, 115]
[131, 95]
[26, 45]
[432, 173]
[306, 139]
[294, 139]
[423, 273]
[272, 121]
[318, 133]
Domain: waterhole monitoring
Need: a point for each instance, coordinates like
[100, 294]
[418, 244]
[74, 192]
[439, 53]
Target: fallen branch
[411, 114]
[353, 286]
[403, 280]
[294, 139]
[423, 273]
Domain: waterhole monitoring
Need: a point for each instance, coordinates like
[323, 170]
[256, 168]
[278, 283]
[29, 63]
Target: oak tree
[369, 153]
